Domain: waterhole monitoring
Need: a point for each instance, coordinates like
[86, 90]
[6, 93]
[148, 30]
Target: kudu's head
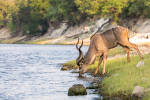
[80, 60]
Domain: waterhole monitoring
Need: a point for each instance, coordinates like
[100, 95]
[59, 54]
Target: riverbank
[121, 76]
[67, 35]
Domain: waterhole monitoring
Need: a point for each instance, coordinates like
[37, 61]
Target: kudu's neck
[90, 56]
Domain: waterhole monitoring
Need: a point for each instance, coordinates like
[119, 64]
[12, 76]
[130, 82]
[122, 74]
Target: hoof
[94, 74]
[103, 73]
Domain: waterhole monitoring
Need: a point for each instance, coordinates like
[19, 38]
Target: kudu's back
[110, 38]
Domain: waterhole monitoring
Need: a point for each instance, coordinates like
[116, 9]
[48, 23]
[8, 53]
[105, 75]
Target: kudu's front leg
[98, 66]
[104, 60]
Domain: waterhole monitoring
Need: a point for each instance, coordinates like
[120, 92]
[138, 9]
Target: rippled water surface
[32, 72]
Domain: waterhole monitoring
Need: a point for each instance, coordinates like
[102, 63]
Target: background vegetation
[33, 17]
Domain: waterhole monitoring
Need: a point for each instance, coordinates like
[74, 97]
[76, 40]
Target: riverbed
[32, 72]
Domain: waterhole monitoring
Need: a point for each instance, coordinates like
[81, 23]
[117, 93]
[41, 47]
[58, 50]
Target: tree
[30, 17]
[64, 10]
[102, 8]
[90, 7]
[6, 7]
[138, 8]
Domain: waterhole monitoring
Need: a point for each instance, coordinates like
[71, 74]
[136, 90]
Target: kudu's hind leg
[98, 66]
[128, 53]
[131, 45]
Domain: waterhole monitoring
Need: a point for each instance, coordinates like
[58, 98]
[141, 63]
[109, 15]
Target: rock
[140, 63]
[64, 68]
[138, 91]
[77, 89]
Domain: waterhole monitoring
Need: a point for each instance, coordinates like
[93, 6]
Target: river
[32, 72]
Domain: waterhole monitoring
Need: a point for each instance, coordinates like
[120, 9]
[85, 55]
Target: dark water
[32, 72]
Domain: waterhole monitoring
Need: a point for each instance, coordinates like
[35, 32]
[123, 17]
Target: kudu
[99, 46]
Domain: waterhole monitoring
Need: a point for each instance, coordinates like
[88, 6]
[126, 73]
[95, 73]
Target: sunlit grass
[122, 77]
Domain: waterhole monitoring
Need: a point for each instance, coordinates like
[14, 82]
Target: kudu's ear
[80, 57]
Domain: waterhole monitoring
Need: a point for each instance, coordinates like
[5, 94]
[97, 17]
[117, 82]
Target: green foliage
[106, 8]
[63, 10]
[91, 7]
[113, 8]
[33, 17]
[137, 8]
[40, 6]
[6, 9]
[30, 17]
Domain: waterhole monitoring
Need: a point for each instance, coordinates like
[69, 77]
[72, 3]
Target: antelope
[100, 45]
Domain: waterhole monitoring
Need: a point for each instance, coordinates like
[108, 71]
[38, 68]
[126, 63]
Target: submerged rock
[77, 89]
[64, 68]
[138, 91]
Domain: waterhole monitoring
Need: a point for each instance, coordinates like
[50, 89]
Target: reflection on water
[32, 72]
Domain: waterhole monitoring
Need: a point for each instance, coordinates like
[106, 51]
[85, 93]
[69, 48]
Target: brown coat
[100, 43]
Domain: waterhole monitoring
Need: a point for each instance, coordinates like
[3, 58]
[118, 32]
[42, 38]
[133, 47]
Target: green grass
[122, 77]
[115, 51]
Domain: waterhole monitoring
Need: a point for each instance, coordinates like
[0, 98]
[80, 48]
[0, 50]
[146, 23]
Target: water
[32, 72]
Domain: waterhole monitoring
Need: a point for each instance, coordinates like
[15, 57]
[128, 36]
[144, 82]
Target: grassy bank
[122, 77]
